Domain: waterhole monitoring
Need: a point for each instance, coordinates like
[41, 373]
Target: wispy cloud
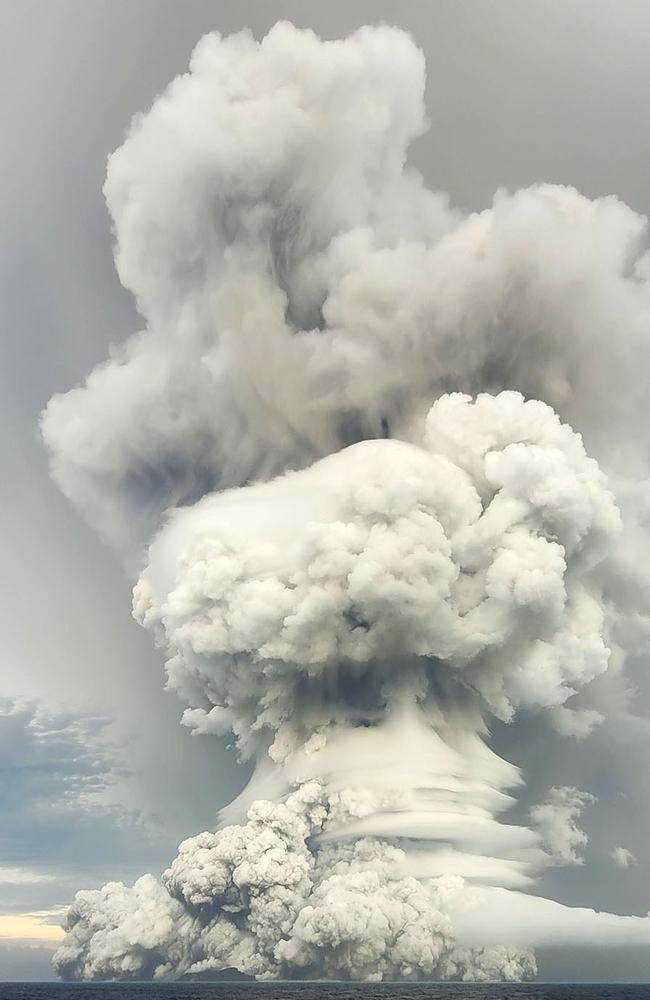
[62, 827]
[23, 876]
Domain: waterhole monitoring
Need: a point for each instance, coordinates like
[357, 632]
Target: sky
[89, 743]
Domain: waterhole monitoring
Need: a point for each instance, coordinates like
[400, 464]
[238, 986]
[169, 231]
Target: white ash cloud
[378, 469]
[302, 288]
[261, 899]
[254, 896]
[474, 555]
[555, 819]
[622, 857]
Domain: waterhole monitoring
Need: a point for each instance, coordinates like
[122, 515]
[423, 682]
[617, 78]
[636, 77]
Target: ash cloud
[555, 819]
[622, 857]
[378, 470]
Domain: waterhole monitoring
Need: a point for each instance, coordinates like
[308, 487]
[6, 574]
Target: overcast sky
[518, 91]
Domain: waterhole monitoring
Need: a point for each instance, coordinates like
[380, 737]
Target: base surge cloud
[379, 470]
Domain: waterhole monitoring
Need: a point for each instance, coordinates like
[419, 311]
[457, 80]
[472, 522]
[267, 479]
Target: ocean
[324, 991]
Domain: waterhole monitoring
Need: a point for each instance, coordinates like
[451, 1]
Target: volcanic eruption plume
[378, 469]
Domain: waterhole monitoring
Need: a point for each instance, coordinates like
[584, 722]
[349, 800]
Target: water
[324, 991]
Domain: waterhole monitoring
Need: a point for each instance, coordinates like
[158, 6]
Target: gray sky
[518, 92]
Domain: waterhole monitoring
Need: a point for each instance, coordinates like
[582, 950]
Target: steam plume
[378, 468]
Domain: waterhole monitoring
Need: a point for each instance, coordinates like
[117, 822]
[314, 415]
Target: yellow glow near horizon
[30, 926]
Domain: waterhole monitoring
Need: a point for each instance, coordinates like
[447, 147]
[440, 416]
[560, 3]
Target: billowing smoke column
[341, 459]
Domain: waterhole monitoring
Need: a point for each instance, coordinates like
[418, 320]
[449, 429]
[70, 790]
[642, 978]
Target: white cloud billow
[622, 858]
[555, 819]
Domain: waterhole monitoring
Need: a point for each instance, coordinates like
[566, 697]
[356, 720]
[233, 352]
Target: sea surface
[323, 991]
